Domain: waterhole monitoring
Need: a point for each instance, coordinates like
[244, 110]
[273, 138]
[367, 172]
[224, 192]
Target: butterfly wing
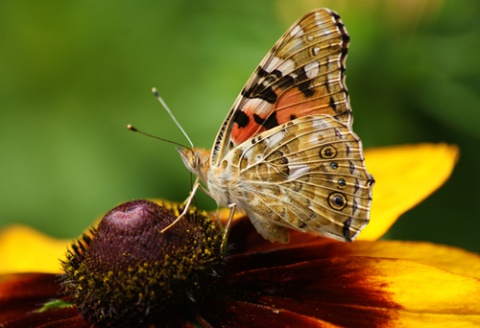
[301, 75]
[306, 175]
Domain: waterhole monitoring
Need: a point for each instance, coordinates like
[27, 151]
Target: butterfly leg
[232, 207]
[186, 204]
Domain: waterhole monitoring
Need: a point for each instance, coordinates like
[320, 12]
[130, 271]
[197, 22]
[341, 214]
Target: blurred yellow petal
[404, 176]
[448, 258]
[428, 297]
[223, 214]
[410, 294]
[23, 249]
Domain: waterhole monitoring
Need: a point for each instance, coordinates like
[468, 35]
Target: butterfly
[286, 153]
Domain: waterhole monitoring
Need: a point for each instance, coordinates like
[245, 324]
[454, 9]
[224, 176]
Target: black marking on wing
[266, 94]
[357, 186]
[263, 89]
[346, 229]
[347, 149]
[241, 119]
[259, 90]
[370, 181]
[261, 72]
[276, 74]
[332, 104]
[286, 82]
[341, 26]
[304, 84]
[268, 123]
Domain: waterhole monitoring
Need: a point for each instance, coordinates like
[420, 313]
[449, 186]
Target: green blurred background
[73, 74]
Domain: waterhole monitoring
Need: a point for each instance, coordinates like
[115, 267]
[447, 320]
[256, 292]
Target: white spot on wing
[296, 31]
[258, 106]
[312, 69]
[296, 171]
[273, 64]
[284, 66]
[275, 139]
[321, 123]
[297, 44]
[248, 154]
[319, 20]
[325, 25]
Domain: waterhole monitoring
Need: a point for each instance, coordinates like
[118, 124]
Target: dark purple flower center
[131, 274]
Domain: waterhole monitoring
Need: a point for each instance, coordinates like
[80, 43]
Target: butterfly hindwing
[306, 175]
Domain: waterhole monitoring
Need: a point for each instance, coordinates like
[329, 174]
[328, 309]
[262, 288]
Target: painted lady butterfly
[286, 153]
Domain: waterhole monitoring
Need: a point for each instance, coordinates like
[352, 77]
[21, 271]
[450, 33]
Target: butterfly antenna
[160, 99]
[134, 129]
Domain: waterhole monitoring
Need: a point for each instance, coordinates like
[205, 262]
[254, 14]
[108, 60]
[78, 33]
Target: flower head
[128, 272]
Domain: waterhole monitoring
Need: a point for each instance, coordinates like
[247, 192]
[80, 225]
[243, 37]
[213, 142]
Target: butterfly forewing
[302, 75]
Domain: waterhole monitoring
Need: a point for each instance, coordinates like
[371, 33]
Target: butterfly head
[196, 160]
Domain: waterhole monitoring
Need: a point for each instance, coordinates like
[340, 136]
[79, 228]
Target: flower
[310, 282]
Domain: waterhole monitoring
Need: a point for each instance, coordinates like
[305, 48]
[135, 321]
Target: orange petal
[23, 249]
[404, 175]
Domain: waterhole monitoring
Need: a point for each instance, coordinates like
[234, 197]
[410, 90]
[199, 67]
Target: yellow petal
[404, 175]
[403, 293]
[429, 297]
[23, 249]
[448, 258]
[223, 214]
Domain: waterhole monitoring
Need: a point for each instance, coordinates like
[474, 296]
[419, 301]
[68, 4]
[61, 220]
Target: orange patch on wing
[241, 134]
[294, 104]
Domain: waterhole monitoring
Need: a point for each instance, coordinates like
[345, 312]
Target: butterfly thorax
[218, 179]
